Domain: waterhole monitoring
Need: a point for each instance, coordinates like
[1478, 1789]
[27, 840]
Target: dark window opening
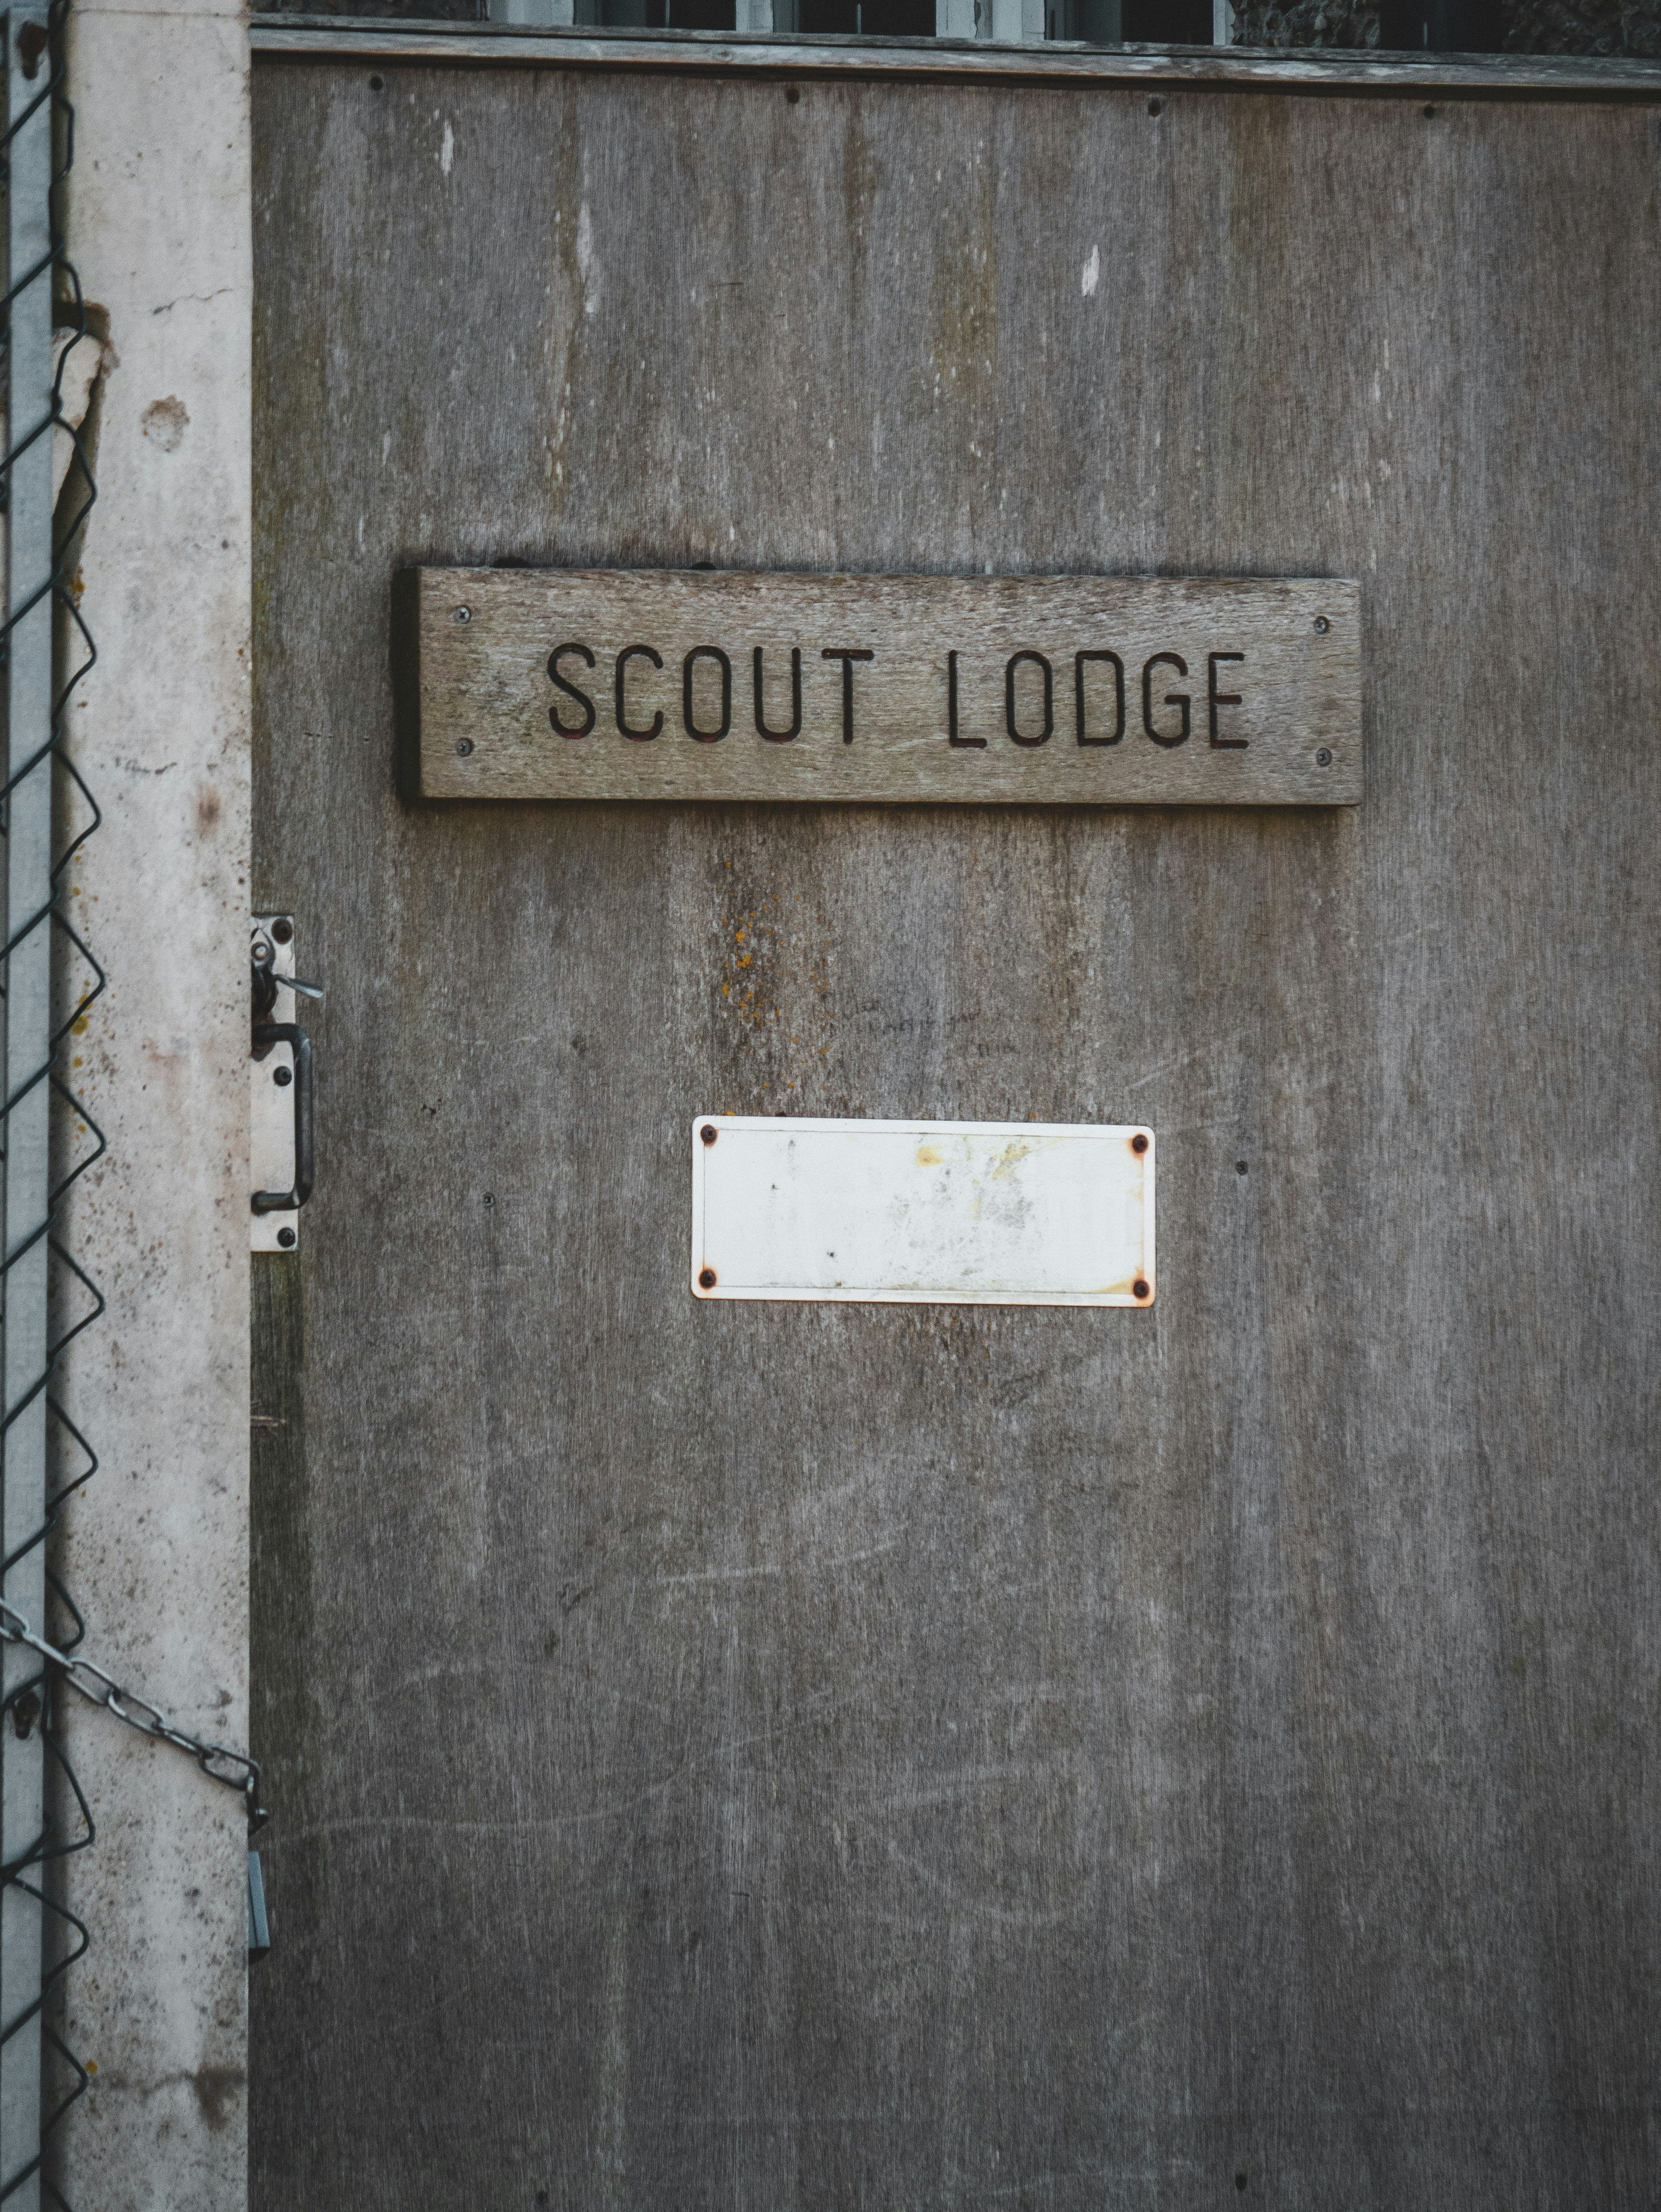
[873, 19]
[1165, 23]
[1444, 27]
[657, 14]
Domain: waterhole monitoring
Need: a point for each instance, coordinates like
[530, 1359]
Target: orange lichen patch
[777, 990]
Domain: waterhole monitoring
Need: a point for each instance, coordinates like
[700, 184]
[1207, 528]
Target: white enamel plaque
[1010, 1213]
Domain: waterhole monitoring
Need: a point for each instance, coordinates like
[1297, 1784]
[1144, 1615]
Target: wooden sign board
[666, 684]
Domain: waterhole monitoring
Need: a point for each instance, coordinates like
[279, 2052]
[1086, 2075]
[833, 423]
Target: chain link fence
[49, 1138]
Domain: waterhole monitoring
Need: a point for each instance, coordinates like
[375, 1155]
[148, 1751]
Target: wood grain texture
[964, 689]
[834, 1756]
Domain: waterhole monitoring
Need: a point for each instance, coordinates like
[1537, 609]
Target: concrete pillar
[156, 1548]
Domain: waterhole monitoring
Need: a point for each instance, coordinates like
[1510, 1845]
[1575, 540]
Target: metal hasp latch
[259, 1932]
[280, 1128]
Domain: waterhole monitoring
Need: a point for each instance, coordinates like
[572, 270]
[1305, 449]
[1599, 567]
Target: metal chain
[234, 1770]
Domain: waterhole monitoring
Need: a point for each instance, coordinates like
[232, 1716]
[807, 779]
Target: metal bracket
[265, 1034]
[280, 1101]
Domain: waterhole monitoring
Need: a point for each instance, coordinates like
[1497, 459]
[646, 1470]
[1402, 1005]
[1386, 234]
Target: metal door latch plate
[272, 1119]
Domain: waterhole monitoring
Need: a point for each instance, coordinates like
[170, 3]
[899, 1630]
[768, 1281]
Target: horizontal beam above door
[1225, 68]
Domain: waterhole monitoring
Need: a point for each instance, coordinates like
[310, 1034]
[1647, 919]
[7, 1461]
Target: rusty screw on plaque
[464, 614]
[1139, 1142]
[1322, 624]
[1323, 757]
[706, 1278]
[708, 1133]
[1140, 1289]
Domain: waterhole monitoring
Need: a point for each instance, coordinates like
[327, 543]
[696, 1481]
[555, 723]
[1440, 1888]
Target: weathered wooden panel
[1023, 690]
[827, 1756]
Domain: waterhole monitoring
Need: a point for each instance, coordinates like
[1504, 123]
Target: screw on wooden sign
[662, 684]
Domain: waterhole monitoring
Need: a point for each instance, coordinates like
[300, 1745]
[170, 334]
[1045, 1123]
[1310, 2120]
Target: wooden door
[830, 1756]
